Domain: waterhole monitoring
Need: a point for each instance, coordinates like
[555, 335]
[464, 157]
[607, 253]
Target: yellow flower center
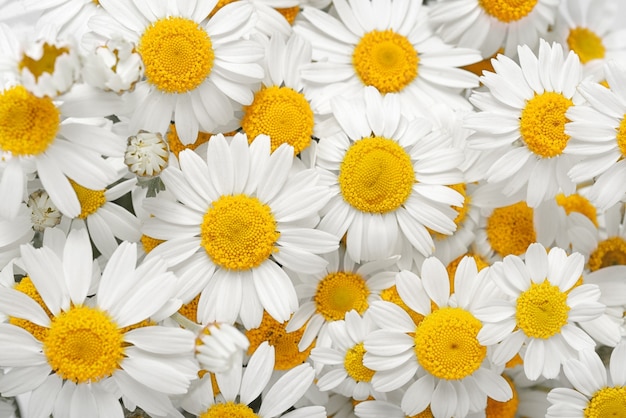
[541, 311]
[239, 232]
[83, 345]
[446, 345]
[287, 354]
[27, 287]
[481, 263]
[190, 310]
[483, 65]
[281, 113]
[90, 200]
[506, 409]
[28, 124]
[385, 60]
[177, 54]
[46, 63]
[607, 402]
[175, 146]
[542, 124]
[228, 410]
[507, 10]
[578, 203]
[150, 243]
[376, 175]
[510, 229]
[339, 293]
[621, 137]
[353, 363]
[289, 13]
[586, 44]
[391, 295]
[610, 252]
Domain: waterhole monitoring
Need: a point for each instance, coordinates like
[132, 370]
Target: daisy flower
[522, 118]
[489, 25]
[388, 45]
[598, 135]
[442, 351]
[388, 179]
[197, 72]
[94, 349]
[608, 248]
[595, 394]
[240, 215]
[543, 300]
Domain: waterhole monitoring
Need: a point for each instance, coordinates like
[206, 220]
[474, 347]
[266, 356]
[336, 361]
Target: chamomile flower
[94, 349]
[609, 246]
[542, 303]
[598, 135]
[240, 212]
[522, 117]
[388, 179]
[489, 25]
[388, 45]
[190, 64]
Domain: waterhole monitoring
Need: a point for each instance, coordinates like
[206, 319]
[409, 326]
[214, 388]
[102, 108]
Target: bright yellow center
[28, 124]
[228, 410]
[609, 402]
[289, 13]
[376, 175]
[446, 345]
[150, 243]
[391, 295]
[510, 229]
[175, 146]
[506, 409]
[339, 293]
[481, 263]
[586, 44]
[190, 310]
[542, 310]
[46, 63]
[621, 137]
[287, 354]
[353, 363]
[507, 10]
[542, 125]
[239, 232]
[27, 287]
[385, 60]
[90, 200]
[281, 113]
[177, 54]
[610, 252]
[84, 345]
[578, 203]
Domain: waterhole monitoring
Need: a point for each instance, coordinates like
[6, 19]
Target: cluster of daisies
[312, 208]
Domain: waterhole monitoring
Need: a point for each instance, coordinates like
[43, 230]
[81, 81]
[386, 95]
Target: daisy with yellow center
[442, 351]
[91, 348]
[239, 214]
[542, 303]
[400, 55]
[522, 118]
[190, 63]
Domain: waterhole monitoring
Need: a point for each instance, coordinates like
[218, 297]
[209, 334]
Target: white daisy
[95, 349]
[608, 246]
[197, 71]
[388, 45]
[522, 118]
[542, 303]
[240, 212]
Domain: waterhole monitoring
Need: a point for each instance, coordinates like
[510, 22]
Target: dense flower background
[312, 208]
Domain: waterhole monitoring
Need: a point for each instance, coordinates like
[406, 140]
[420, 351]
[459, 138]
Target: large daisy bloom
[522, 117]
[439, 346]
[388, 45]
[90, 351]
[190, 64]
[543, 300]
[241, 213]
[388, 178]
[594, 395]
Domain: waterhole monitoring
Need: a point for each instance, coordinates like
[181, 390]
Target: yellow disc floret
[541, 311]
[385, 60]
[353, 363]
[228, 410]
[190, 309]
[84, 345]
[149, 243]
[28, 124]
[391, 295]
[376, 175]
[446, 345]
[281, 113]
[289, 13]
[578, 203]
[177, 54]
[508, 409]
[542, 124]
[27, 287]
[507, 10]
[510, 229]
[90, 200]
[44, 64]
[174, 144]
[607, 402]
[586, 44]
[339, 293]
[621, 137]
[239, 232]
[610, 252]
